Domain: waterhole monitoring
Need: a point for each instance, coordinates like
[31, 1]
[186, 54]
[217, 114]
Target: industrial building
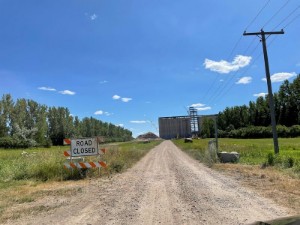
[174, 127]
[181, 126]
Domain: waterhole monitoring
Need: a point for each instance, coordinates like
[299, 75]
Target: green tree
[41, 135]
[6, 107]
[19, 116]
[207, 128]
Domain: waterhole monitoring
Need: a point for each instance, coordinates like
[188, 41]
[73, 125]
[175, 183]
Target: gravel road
[165, 187]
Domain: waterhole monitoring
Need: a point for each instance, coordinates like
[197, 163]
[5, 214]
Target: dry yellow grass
[269, 182]
[26, 199]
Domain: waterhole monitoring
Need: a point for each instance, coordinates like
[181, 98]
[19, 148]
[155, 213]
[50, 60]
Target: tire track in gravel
[165, 187]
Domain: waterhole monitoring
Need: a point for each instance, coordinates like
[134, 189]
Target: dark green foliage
[25, 123]
[253, 121]
[280, 161]
[270, 159]
[289, 162]
[207, 128]
[261, 132]
[295, 131]
[7, 142]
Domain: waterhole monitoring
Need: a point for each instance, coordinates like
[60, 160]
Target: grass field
[25, 177]
[44, 164]
[279, 182]
[252, 151]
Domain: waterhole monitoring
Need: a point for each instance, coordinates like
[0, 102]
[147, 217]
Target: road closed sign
[84, 147]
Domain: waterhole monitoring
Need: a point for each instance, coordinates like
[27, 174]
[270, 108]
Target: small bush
[48, 143]
[270, 159]
[7, 142]
[280, 161]
[295, 131]
[288, 162]
[117, 166]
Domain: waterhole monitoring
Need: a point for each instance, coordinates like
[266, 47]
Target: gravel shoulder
[165, 187]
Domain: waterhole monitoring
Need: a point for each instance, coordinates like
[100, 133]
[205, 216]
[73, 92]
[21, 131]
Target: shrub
[261, 132]
[270, 159]
[283, 131]
[295, 131]
[7, 142]
[48, 143]
[288, 162]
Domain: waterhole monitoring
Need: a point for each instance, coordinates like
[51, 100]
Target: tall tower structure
[194, 121]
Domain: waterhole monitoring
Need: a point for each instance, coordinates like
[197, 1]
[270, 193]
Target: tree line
[253, 120]
[26, 123]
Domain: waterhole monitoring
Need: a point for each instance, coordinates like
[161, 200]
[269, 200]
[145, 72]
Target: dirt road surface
[165, 187]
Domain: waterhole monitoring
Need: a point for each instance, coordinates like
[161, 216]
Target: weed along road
[165, 187]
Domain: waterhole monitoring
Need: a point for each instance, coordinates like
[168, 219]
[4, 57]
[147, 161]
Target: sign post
[83, 147]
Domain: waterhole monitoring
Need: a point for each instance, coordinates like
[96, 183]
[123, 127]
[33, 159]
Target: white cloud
[262, 94]
[197, 105]
[223, 66]
[126, 99]
[279, 77]
[200, 107]
[93, 17]
[138, 121]
[103, 82]
[99, 112]
[203, 108]
[244, 80]
[47, 89]
[116, 97]
[120, 125]
[67, 92]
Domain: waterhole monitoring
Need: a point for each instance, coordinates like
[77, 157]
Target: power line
[224, 91]
[230, 79]
[234, 48]
[251, 43]
[216, 78]
[290, 14]
[257, 14]
[222, 87]
[275, 14]
[293, 20]
[217, 98]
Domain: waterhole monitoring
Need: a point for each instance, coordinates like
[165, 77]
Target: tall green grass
[43, 164]
[38, 163]
[252, 151]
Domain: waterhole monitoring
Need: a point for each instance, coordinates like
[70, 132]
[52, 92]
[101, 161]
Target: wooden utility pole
[270, 93]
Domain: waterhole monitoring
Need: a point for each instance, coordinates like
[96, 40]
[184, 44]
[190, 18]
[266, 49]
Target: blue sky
[129, 62]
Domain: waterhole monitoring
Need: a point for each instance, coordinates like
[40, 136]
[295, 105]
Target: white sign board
[84, 147]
